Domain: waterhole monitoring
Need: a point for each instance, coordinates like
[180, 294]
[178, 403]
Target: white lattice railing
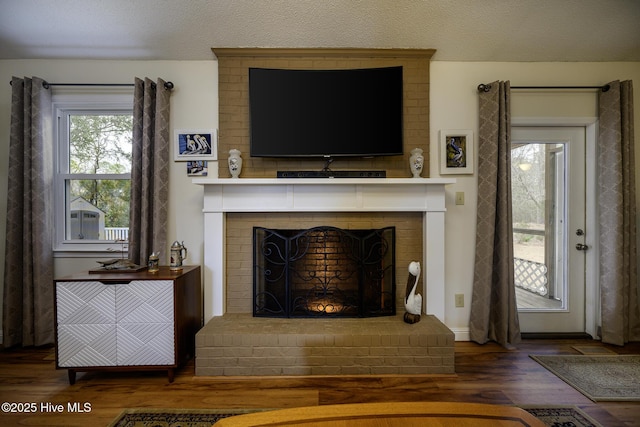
[530, 275]
[116, 233]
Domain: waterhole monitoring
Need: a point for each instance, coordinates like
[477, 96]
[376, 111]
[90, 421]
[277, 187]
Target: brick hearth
[239, 344]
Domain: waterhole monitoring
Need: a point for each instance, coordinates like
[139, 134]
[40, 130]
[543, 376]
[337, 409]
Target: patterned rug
[146, 417]
[600, 378]
[562, 416]
[143, 417]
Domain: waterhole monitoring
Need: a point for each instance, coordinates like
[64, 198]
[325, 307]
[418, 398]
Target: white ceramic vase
[416, 162]
[235, 163]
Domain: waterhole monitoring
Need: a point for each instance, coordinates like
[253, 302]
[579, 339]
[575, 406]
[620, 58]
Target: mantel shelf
[324, 194]
[323, 181]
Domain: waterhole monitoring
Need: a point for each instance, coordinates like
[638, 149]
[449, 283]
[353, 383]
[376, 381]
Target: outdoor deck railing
[116, 233]
[528, 274]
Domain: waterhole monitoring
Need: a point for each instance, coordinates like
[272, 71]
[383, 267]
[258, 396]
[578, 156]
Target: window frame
[65, 105]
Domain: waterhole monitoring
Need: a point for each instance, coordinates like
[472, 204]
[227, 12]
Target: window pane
[100, 143]
[537, 186]
[98, 209]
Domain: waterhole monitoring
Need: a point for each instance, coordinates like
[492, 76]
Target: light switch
[460, 198]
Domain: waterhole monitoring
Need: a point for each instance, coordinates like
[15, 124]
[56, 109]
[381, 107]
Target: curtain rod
[487, 87]
[46, 85]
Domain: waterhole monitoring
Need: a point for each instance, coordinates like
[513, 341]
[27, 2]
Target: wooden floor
[528, 299]
[484, 374]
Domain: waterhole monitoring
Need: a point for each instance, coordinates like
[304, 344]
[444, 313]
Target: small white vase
[235, 163]
[416, 162]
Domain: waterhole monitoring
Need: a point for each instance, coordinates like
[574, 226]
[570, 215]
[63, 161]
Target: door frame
[591, 292]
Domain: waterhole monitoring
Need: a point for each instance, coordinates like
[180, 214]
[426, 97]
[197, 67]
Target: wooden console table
[127, 321]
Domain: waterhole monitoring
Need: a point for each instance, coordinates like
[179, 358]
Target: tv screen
[325, 113]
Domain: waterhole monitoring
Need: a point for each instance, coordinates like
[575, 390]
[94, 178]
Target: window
[93, 173]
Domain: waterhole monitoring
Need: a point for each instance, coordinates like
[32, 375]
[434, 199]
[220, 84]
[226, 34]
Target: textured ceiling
[460, 30]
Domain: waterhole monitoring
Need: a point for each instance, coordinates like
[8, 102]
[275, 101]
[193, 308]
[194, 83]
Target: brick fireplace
[233, 342]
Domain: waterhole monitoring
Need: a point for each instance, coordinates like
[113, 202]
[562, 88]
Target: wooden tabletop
[164, 273]
[390, 414]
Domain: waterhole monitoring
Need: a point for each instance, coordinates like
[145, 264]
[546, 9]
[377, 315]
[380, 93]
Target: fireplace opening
[324, 272]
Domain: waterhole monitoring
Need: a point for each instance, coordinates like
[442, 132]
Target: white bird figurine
[413, 301]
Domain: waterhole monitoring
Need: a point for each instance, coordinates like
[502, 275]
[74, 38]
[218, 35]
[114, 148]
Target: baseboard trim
[461, 334]
[555, 335]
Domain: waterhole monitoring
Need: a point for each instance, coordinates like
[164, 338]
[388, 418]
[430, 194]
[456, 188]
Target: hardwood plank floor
[484, 374]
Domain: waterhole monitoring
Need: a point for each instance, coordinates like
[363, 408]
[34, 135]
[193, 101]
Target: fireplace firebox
[324, 272]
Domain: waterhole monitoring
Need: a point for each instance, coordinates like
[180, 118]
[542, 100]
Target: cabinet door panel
[145, 332]
[85, 303]
[145, 344]
[145, 301]
[86, 345]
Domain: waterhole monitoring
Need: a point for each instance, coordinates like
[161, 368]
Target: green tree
[101, 144]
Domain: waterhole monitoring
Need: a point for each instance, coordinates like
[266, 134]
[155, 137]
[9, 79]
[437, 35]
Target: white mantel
[425, 195]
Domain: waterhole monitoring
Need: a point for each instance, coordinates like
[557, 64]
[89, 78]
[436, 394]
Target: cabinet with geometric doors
[127, 321]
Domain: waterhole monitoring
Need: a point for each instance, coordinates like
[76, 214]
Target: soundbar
[332, 174]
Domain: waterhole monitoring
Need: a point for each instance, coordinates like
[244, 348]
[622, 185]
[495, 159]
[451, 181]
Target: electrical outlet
[459, 300]
[460, 198]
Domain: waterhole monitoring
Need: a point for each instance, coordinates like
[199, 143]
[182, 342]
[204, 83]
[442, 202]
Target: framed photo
[456, 152]
[196, 145]
[197, 168]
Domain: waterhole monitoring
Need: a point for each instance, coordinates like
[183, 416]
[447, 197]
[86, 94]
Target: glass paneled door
[548, 191]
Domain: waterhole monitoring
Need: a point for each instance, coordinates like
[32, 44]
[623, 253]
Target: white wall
[454, 105]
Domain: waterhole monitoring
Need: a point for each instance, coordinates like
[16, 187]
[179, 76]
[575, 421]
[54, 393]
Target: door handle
[581, 247]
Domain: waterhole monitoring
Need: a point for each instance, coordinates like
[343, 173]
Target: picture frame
[457, 154]
[197, 168]
[195, 144]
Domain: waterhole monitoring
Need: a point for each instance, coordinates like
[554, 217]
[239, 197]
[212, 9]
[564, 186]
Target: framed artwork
[196, 145]
[456, 152]
[197, 168]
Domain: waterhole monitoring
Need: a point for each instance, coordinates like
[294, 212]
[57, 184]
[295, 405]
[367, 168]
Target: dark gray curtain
[494, 314]
[149, 172]
[28, 270]
[617, 216]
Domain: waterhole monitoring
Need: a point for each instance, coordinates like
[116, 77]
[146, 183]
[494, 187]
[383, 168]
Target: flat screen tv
[325, 113]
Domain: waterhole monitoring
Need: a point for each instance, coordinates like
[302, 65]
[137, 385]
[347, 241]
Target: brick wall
[233, 65]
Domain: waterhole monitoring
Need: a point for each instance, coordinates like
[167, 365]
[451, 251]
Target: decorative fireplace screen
[324, 272]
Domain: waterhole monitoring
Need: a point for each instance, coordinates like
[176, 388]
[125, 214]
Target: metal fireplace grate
[323, 272]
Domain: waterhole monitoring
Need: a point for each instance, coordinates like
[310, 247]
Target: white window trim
[63, 103]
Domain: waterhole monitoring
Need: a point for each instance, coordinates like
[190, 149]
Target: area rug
[143, 417]
[560, 416]
[146, 417]
[600, 378]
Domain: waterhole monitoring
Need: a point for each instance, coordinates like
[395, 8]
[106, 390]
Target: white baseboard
[461, 334]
